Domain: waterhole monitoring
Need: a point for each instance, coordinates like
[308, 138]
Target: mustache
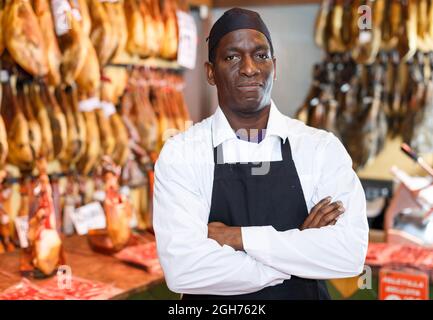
[250, 84]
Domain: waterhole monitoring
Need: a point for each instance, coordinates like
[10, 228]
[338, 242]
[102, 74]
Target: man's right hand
[323, 214]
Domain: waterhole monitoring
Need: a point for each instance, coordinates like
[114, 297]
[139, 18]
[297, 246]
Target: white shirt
[195, 264]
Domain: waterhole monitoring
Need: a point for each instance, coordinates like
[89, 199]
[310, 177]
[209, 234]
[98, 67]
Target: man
[242, 200]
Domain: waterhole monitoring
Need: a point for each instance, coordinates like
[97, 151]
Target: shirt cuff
[256, 243]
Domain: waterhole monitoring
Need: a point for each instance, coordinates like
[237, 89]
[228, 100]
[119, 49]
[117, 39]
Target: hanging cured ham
[74, 145]
[44, 240]
[74, 46]
[142, 115]
[136, 43]
[41, 114]
[4, 149]
[2, 45]
[369, 40]
[379, 85]
[6, 243]
[89, 78]
[77, 118]
[86, 23]
[158, 27]
[92, 151]
[23, 37]
[58, 122]
[117, 208]
[149, 31]
[35, 133]
[407, 31]
[170, 42]
[111, 91]
[102, 34]
[121, 149]
[117, 16]
[54, 56]
[17, 128]
[108, 142]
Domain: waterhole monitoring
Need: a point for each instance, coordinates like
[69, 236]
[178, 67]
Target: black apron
[240, 198]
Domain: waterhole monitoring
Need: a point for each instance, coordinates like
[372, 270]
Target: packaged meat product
[80, 289]
[144, 255]
[53, 289]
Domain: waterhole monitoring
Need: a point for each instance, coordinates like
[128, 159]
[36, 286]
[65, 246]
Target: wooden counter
[90, 265]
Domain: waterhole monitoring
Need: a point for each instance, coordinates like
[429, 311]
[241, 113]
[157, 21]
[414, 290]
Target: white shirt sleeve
[193, 263]
[326, 253]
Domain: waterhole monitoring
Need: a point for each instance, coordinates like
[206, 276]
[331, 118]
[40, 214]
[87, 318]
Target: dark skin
[243, 72]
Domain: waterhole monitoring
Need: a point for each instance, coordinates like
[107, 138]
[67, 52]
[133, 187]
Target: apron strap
[286, 152]
[218, 157]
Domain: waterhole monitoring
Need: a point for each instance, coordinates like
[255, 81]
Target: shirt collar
[222, 131]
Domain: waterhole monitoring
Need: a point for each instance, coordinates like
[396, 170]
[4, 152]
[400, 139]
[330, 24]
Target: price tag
[187, 47]
[88, 217]
[22, 226]
[4, 76]
[68, 225]
[365, 36]
[89, 104]
[108, 108]
[61, 8]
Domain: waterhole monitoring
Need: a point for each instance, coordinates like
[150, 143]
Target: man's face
[243, 71]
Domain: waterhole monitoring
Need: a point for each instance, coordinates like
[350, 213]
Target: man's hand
[226, 235]
[323, 214]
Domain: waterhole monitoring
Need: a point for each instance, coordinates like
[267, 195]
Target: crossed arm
[198, 258]
[323, 214]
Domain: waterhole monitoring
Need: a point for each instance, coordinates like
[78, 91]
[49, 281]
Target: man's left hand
[225, 235]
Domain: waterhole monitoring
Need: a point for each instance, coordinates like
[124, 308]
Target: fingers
[321, 203]
[331, 207]
[314, 211]
[324, 214]
[331, 216]
[324, 211]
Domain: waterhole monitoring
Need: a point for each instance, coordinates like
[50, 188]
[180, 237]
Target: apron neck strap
[286, 151]
[218, 157]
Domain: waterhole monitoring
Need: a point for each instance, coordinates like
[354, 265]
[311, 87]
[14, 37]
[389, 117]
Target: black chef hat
[235, 19]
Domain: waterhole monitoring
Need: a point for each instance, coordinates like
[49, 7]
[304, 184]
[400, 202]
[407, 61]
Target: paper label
[108, 108]
[61, 8]
[187, 47]
[365, 36]
[4, 76]
[22, 226]
[125, 190]
[68, 225]
[89, 104]
[88, 217]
